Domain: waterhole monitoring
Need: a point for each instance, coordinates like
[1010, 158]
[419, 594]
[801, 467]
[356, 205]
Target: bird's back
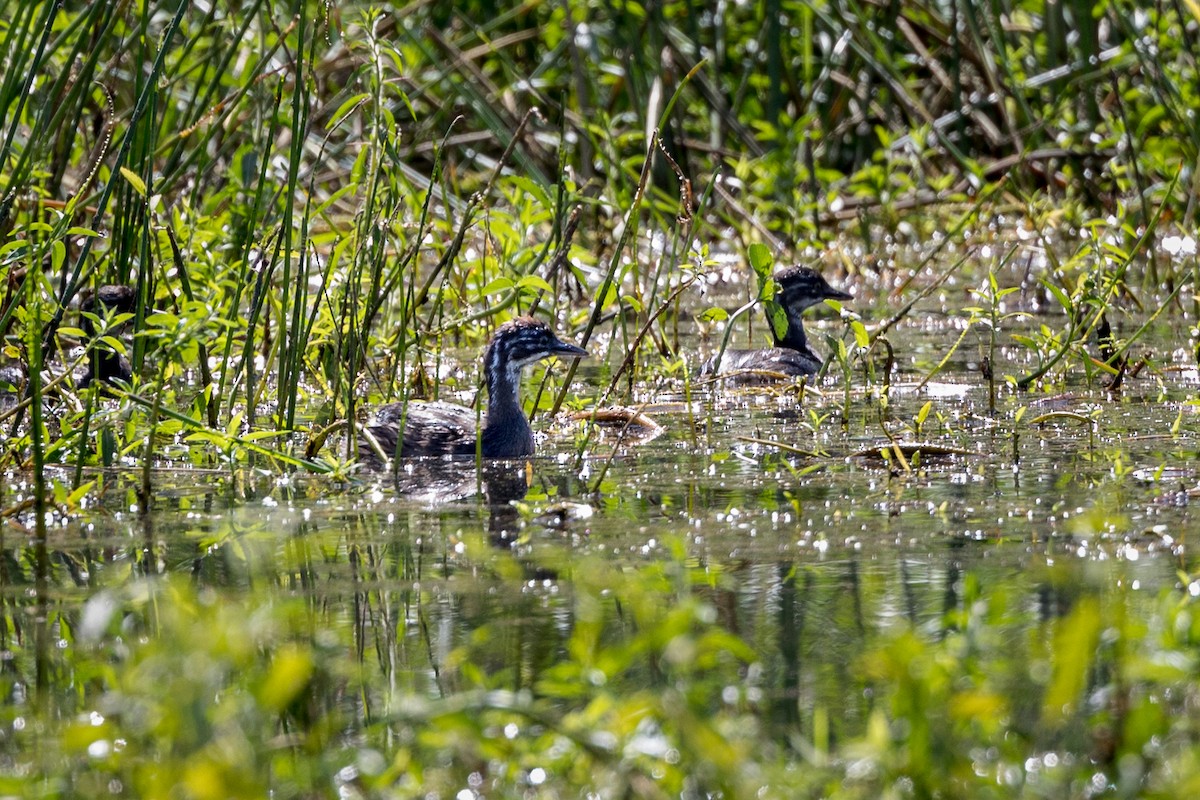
[754, 363]
[429, 429]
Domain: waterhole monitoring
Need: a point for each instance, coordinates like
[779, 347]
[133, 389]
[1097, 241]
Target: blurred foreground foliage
[160, 688]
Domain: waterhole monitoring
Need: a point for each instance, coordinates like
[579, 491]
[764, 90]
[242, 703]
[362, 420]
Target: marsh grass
[381, 186]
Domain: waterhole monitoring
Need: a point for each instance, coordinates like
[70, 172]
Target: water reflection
[498, 484]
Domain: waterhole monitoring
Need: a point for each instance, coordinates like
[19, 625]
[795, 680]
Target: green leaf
[778, 318]
[162, 319]
[135, 180]
[345, 109]
[290, 673]
[1075, 640]
[761, 261]
[924, 412]
[15, 244]
[535, 282]
[610, 296]
[498, 285]
[259, 436]
[530, 186]
[58, 253]
[1059, 295]
[206, 437]
[861, 337]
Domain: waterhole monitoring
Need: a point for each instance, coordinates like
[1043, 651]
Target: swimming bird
[799, 288]
[432, 429]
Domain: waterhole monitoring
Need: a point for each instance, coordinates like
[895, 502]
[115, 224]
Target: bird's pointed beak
[836, 294]
[562, 348]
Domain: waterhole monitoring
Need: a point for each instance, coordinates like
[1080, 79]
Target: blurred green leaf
[1075, 639]
[288, 676]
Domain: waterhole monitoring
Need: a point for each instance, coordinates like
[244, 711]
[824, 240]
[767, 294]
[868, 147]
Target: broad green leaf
[535, 282]
[199, 437]
[530, 186]
[58, 253]
[1059, 295]
[1074, 650]
[498, 285]
[289, 674]
[162, 319]
[761, 262]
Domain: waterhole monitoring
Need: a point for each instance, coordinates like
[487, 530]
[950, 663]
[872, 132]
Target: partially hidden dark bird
[105, 364]
[798, 289]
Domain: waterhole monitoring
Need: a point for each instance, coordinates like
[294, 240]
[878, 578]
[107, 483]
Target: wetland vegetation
[953, 563]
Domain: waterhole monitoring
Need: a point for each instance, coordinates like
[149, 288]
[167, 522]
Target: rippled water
[807, 558]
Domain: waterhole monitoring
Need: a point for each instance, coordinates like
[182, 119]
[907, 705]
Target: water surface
[816, 562]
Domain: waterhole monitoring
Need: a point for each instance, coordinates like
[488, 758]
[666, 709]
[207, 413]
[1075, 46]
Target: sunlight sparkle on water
[1179, 245]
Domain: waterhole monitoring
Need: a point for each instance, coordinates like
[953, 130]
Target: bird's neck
[504, 398]
[794, 338]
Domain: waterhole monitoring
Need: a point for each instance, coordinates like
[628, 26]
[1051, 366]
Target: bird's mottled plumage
[799, 288]
[430, 429]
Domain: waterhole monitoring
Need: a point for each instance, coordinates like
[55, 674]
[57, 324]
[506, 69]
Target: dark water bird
[799, 288]
[435, 429]
[105, 364]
